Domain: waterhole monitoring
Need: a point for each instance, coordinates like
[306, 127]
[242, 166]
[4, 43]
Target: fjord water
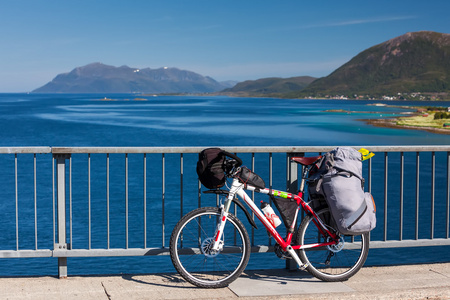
[128, 120]
[137, 120]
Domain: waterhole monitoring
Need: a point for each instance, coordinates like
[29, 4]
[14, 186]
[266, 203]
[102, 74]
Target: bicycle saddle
[306, 161]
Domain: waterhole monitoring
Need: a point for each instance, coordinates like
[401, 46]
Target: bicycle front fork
[218, 241]
[224, 208]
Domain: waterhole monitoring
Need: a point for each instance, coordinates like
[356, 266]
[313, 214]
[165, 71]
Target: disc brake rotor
[206, 246]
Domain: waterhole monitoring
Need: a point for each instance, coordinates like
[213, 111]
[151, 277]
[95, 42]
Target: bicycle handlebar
[231, 155]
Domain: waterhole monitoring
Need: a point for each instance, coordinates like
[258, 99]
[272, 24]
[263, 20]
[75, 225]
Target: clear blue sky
[227, 40]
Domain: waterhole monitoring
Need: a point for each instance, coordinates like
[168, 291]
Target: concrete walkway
[394, 282]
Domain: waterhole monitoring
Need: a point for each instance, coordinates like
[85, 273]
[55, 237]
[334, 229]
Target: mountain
[269, 86]
[100, 78]
[413, 62]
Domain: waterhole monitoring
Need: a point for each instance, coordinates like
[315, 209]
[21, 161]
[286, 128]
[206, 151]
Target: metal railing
[124, 201]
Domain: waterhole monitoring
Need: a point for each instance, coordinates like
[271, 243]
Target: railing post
[292, 173]
[292, 187]
[61, 243]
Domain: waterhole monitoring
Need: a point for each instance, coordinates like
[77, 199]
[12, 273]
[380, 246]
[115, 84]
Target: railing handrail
[31, 150]
[197, 149]
[244, 149]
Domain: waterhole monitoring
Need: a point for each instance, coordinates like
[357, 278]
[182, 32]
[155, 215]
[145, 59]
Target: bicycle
[210, 247]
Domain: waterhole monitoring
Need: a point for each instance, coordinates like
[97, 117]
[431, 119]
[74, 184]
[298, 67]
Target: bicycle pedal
[303, 267]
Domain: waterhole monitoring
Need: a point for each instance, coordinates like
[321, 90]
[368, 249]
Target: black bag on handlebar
[210, 169]
[246, 176]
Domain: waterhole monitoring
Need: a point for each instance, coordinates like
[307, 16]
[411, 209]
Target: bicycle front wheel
[331, 263]
[191, 253]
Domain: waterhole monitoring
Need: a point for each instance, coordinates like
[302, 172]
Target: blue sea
[128, 120]
[75, 120]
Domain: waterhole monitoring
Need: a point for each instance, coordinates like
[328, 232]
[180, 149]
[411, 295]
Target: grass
[423, 121]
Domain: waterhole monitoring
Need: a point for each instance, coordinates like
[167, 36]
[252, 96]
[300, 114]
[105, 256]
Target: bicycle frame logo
[281, 194]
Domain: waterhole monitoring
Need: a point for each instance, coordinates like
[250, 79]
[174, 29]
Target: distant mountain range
[411, 63]
[101, 78]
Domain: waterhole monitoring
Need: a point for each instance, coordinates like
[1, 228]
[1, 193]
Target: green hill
[413, 62]
[269, 86]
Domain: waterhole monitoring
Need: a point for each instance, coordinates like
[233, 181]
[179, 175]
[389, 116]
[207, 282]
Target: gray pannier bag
[340, 180]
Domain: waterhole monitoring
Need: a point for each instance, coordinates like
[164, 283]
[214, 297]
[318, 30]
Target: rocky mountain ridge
[413, 62]
[101, 78]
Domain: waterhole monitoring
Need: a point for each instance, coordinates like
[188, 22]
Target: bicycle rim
[333, 263]
[196, 262]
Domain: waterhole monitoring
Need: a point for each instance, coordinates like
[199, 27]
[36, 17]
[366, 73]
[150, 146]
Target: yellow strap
[363, 151]
[366, 154]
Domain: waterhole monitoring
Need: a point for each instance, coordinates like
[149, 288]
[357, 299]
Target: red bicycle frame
[305, 206]
[238, 188]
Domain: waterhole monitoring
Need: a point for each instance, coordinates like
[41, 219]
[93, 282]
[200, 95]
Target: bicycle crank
[280, 253]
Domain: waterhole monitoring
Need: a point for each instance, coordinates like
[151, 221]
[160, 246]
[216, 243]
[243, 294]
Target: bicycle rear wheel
[191, 254]
[331, 263]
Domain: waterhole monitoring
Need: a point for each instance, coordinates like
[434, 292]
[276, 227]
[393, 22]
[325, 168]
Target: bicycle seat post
[306, 163]
[305, 170]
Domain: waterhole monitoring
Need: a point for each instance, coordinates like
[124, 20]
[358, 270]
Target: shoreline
[392, 123]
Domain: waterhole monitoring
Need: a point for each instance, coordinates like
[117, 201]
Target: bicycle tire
[331, 263]
[192, 258]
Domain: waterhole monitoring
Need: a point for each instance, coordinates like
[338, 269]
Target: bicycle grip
[231, 155]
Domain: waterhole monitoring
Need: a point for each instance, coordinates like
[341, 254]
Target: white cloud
[359, 21]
